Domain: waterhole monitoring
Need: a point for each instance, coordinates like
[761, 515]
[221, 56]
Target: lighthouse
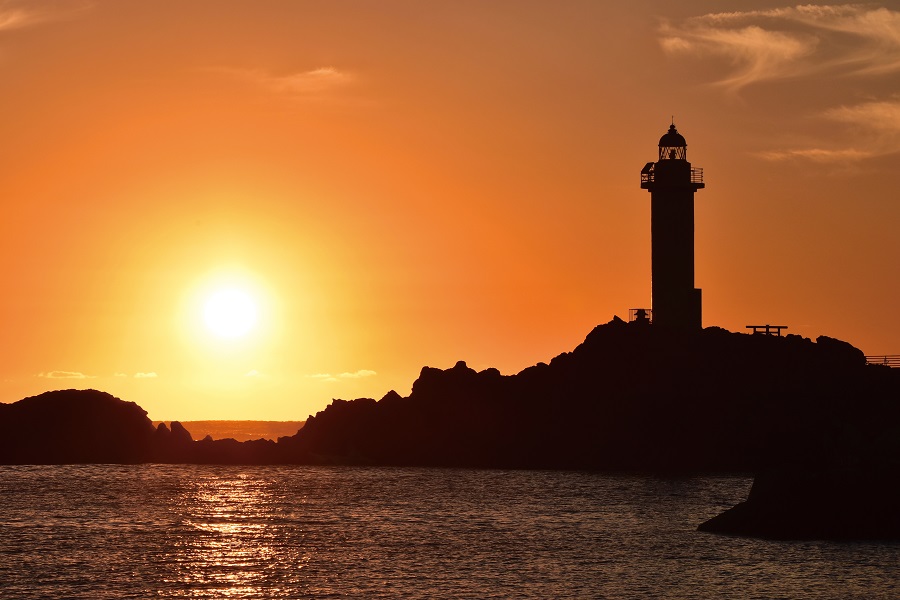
[672, 182]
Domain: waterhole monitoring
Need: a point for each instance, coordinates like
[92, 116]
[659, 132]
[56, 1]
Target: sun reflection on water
[233, 540]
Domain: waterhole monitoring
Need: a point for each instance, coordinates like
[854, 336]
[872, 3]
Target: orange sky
[400, 184]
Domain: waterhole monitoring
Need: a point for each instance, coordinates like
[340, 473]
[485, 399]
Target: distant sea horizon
[241, 430]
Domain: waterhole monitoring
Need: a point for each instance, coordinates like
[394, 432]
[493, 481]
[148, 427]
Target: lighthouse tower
[672, 182]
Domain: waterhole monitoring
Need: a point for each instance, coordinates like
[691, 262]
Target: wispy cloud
[883, 116]
[313, 83]
[808, 44]
[875, 31]
[16, 17]
[150, 375]
[850, 39]
[323, 377]
[65, 375]
[347, 375]
[818, 155]
[19, 14]
[755, 53]
[358, 374]
[876, 129]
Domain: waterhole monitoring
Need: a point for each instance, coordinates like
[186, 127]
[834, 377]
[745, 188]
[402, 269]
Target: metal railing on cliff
[888, 360]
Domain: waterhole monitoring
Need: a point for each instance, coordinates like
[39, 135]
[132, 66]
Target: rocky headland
[631, 397]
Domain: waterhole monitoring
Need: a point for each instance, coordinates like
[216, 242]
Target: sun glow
[230, 313]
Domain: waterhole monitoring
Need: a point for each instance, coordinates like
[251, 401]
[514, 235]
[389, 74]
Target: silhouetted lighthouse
[672, 183]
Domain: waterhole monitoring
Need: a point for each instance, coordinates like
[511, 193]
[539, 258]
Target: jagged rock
[390, 397]
[233, 452]
[630, 397]
[180, 434]
[837, 503]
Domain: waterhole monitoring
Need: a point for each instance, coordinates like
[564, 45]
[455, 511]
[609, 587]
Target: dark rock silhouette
[89, 426]
[180, 434]
[835, 502]
[171, 444]
[75, 426]
[241, 430]
[231, 451]
[632, 396]
[849, 493]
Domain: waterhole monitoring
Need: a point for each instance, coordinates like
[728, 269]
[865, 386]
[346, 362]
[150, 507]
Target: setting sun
[230, 313]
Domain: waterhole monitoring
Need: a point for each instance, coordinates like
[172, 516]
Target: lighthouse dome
[672, 139]
[672, 146]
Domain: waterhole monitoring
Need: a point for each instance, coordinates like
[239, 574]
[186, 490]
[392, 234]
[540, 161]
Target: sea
[184, 531]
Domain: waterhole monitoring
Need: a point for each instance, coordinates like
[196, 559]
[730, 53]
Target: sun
[230, 313]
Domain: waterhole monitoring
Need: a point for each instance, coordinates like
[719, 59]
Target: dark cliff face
[632, 397]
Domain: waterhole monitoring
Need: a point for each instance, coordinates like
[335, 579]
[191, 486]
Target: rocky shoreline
[818, 424]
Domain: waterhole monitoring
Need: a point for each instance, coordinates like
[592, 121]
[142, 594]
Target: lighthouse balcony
[648, 177]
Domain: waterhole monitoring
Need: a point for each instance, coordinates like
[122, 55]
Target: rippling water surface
[106, 531]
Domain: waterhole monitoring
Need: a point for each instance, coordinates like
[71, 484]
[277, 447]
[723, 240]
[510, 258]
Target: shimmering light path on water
[292, 532]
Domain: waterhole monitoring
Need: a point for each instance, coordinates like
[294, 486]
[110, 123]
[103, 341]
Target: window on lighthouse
[672, 152]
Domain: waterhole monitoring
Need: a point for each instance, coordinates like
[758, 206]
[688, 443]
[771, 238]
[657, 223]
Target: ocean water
[176, 531]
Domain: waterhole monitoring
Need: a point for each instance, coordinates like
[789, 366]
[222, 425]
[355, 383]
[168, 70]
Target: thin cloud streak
[878, 116]
[16, 15]
[347, 375]
[65, 375]
[803, 43]
[819, 155]
[14, 18]
[358, 374]
[879, 121]
[877, 30]
[323, 377]
[788, 42]
[316, 82]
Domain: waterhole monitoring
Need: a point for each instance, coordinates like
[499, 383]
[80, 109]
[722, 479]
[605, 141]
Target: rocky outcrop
[89, 426]
[837, 503]
[631, 397]
[233, 452]
[851, 492]
[171, 444]
[75, 426]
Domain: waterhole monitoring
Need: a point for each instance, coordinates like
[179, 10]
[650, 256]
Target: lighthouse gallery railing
[648, 175]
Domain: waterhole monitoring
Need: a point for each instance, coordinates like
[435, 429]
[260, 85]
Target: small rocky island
[856, 500]
[819, 425]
